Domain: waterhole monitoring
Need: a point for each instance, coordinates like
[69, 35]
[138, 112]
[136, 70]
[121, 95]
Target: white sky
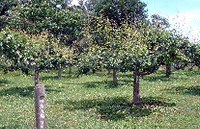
[184, 14]
[189, 22]
[74, 2]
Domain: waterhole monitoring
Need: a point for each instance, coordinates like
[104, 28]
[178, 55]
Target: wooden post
[40, 106]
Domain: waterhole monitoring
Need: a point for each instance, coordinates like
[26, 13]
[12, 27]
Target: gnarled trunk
[168, 70]
[115, 79]
[136, 95]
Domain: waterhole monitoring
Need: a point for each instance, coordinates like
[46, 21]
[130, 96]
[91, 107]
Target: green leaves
[21, 52]
[121, 10]
[12, 48]
[124, 47]
[60, 25]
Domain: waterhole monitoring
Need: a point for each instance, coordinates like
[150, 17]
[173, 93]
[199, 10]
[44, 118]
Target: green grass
[93, 101]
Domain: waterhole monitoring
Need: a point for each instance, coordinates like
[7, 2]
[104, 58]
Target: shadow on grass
[102, 74]
[127, 75]
[105, 84]
[159, 78]
[55, 77]
[190, 72]
[24, 91]
[193, 90]
[116, 108]
[15, 125]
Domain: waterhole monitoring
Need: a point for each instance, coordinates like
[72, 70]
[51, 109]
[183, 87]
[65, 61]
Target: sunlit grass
[93, 101]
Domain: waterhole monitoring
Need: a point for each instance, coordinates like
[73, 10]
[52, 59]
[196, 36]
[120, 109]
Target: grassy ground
[92, 101]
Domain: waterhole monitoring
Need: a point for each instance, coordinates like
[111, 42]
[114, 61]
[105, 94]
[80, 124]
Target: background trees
[141, 55]
[13, 48]
[122, 10]
[193, 53]
[112, 34]
[118, 12]
[127, 48]
[21, 52]
[172, 45]
[38, 18]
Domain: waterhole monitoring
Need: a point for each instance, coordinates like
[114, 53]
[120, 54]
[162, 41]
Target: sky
[182, 14]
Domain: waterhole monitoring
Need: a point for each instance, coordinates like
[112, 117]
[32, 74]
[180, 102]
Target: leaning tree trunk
[168, 70]
[36, 79]
[136, 95]
[115, 79]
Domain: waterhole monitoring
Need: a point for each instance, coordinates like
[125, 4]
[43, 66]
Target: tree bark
[109, 71]
[40, 104]
[36, 75]
[70, 69]
[136, 95]
[115, 79]
[168, 70]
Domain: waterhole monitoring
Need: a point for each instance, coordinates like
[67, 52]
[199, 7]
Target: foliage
[193, 53]
[159, 21]
[63, 23]
[172, 45]
[5, 11]
[128, 47]
[13, 49]
[173, 48]
[59, 24]
[118, 44]
[6, 5]
[122, 10]
[22, 52]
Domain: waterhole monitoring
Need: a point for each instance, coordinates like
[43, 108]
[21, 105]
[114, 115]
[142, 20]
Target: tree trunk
[109, 70]
[168, 70]
[136, 95]
[59, 71]
[115, 79]
[36, 75]
[70, 69]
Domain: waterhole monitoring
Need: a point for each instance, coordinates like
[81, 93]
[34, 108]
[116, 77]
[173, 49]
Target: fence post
[40, 104]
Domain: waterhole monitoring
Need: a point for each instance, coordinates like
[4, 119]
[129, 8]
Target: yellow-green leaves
[127, 45]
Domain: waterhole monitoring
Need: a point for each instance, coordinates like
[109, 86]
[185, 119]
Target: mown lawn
[93, 102]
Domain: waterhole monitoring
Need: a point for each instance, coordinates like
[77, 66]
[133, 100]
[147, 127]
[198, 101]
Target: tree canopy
[121, 10]
[114, 34]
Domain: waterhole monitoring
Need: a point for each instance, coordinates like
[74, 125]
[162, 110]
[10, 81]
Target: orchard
[75, 48]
